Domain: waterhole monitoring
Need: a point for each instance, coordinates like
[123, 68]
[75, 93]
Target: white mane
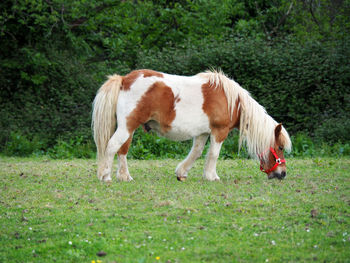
[256, 126]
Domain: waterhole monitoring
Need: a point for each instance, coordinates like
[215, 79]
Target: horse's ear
[278, 130]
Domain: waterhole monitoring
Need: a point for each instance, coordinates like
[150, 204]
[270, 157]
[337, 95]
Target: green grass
[57, 211]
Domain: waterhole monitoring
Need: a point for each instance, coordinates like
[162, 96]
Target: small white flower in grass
[344, 240]
[273, 242]
[171, 248]
[256, 234]
[307, 230]
[149, 237]
[70, 243]
[64, 230]
[28, 239]
[87, 241]
[267, 260]
[99, 233]
[164, 240]
[182, 248]
[33, 251]
[315, 246]
[344, 234]
[30, 228]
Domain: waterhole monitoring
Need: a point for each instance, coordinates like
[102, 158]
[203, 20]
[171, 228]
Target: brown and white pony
[182, 108]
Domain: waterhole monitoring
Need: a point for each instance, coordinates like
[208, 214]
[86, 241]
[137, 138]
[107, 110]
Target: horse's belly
[184, 127]
[185, 133]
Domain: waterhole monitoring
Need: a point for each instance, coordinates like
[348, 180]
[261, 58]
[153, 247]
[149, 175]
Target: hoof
[125, 178]
[108, 182]
[181, 178]
[217, 179]
[213, 179]
[105, 178]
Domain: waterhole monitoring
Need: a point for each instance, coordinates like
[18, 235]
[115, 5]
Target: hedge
[305, 86]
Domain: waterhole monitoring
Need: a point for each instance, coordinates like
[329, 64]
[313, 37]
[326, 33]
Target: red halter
[277, 160]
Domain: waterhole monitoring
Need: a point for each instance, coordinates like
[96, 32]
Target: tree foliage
[292, 55]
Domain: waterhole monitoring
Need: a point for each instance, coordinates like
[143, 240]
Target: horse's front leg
[196, 151]
[212, 157]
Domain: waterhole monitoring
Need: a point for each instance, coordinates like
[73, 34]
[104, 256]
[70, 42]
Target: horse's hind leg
[196, 151]
[115, 143]
[123, 171]
[212, 156]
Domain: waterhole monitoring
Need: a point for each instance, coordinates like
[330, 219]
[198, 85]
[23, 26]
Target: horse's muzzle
[279, 176]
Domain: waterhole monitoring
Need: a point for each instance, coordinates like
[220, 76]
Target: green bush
[58, 106]
[302, 146]
[230, 148]
[74, 148]
[20, 145]
[333, 130]
[150, 146]
[334, 150]
[147, 146]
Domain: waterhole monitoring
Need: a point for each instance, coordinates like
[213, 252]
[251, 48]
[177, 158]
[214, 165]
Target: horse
[179, 108]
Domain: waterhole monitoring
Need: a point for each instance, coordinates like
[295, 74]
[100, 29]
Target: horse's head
[274, 164]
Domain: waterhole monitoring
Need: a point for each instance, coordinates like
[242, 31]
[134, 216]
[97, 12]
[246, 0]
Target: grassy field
[57, 211]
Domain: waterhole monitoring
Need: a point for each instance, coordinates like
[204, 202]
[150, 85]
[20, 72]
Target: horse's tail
[104, 115]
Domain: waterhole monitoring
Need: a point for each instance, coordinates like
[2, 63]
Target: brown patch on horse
[157, 104]
[125, 147]
[151, 73]
[129, 79]
[278, 142]
[216, 107]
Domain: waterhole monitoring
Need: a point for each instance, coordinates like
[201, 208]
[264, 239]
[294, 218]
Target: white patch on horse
[190, 120]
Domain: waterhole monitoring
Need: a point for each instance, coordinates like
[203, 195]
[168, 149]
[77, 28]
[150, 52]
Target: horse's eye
[280, 147]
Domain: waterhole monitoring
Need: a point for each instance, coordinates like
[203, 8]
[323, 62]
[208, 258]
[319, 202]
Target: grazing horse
[182, 108]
